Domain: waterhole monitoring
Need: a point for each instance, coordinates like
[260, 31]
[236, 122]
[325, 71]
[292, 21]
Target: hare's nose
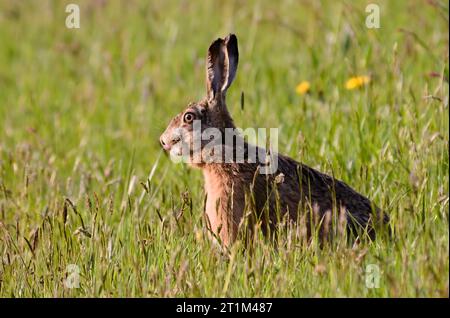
[164, 144]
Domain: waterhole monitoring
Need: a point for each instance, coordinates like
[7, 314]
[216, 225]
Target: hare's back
[323, 192]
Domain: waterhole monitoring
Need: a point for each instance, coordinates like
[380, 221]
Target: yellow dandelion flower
[303, 87]
[356, 82]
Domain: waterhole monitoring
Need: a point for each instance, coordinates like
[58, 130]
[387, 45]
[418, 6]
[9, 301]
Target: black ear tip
[216, 44]
[231, 38]
[232, 45]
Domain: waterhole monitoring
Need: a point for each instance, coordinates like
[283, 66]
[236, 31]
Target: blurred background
[81, 112]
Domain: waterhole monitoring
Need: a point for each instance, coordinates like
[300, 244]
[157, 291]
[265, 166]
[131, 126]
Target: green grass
[81, 112]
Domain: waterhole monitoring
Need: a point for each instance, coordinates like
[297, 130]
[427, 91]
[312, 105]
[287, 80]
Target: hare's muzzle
[167, 142]
[164, 144]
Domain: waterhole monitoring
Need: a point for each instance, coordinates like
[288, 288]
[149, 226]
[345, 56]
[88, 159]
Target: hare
[234, 188]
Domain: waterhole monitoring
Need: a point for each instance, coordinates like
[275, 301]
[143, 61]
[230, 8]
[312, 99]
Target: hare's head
[185, 130]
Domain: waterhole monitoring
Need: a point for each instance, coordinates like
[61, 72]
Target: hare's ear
[221, 65]
[231, 60]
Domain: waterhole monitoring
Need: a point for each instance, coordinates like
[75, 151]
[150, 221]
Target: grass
[83, 180]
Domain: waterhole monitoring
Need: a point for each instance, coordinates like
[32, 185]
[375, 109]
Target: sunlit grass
[83, 180]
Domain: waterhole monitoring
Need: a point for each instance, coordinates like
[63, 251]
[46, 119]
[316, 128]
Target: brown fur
[234, 189]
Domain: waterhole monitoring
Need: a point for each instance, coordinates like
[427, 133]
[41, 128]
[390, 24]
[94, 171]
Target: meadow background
[83, 179]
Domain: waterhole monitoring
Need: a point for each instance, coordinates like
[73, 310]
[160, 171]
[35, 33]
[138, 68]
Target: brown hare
[237, 190]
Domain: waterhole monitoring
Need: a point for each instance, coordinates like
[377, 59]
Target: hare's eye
[188, 117]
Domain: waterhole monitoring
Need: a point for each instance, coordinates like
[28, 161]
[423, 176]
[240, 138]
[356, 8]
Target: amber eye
[188, 117]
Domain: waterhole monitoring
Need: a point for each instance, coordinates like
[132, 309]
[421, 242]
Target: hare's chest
[224, 204]
[216, 196]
